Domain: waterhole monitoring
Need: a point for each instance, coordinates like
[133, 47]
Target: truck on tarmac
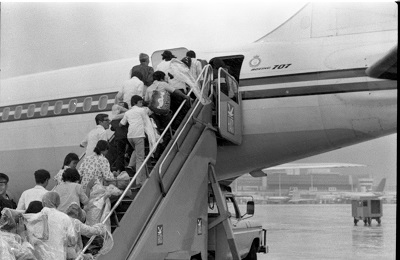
[249, 238]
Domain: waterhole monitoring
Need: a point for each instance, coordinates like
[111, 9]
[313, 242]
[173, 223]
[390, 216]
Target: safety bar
[204, 71]
[139, 170]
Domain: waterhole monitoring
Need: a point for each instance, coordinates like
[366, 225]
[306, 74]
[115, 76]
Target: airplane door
[229, 111]
[156, 58]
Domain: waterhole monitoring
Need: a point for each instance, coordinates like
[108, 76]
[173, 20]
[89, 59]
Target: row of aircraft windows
[58, 106]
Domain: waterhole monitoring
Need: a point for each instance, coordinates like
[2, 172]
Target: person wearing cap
[144, 68]
[136, 117]
[5, 200]
[42, 178]
[165, 66]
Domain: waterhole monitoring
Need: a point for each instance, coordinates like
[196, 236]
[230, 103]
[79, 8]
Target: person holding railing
[136, 117]
[96, 166]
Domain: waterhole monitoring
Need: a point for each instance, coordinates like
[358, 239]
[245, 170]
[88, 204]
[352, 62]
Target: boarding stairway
[165, 217]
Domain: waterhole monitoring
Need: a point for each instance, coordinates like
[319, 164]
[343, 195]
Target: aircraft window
[17, 112]
[58, 107]
[6, 113]
[72, 105]
[87, 104]
[103, 102]
[31, 110]
[44, 109]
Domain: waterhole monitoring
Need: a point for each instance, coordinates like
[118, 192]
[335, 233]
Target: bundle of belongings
[48, 235]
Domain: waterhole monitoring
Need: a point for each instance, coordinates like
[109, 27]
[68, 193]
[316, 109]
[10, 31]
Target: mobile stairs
[167, 217]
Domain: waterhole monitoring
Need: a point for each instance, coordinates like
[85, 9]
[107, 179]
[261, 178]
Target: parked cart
[366, 209]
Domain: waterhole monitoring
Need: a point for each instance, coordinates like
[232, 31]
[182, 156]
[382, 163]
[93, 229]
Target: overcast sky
[38, 37]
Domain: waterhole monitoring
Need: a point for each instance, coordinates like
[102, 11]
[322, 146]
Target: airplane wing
[386, 67]
[290, 166]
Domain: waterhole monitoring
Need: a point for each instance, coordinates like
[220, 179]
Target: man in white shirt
[97, 134]
[131, 87]
[136, 119]
[42, 178]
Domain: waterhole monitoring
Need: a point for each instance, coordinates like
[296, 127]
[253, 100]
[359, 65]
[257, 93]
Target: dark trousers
[121, 150]
[162, 122]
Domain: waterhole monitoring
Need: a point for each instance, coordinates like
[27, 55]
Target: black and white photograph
[198, 130]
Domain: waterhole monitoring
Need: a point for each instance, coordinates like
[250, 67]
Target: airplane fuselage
[298, 99]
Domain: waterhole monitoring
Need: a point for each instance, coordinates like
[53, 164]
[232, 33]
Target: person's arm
[181, 94]
[88, 231]
[84, 142]
[119, 97]
[123, 121]
[105, 169]
[83, 198]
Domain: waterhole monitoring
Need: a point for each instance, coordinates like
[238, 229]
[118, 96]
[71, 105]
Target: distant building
[303, 180]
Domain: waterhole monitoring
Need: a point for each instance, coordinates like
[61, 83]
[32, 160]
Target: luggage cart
[366, 209]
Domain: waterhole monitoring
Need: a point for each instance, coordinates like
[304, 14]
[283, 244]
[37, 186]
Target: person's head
[75, 211]
[103, 120]
[3, 183]
[167, 55]
[187, 60]
[159, 75]
[144, 58]
[71, 175]
[71, 160]
[102, 147]
[51, 199]
[137, 101]
[191, 54]
[34, 207]
[218, 63]
[123, 104]
[42, 177]
[137, 74]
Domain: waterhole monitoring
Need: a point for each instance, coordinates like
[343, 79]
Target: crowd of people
[55, 224]
[52, 224]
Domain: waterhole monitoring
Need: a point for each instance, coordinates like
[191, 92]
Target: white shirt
[36, 193]
[195, 68]
[164, 67]
[131, 87]
[97, 134]
[136, 117]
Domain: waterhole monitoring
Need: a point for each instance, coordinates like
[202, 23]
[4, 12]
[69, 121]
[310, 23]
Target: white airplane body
[300, 97]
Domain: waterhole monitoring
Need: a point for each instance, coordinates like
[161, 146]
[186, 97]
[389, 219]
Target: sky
[38, 37]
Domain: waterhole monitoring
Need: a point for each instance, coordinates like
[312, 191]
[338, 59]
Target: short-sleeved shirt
[136, 117]
[95, 135]
[36, 193]
[159, 85]
[70, 192]
[131, 87]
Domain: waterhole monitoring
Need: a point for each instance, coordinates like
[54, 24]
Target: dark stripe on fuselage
[287, 78]
[315, 89]
[63, 112]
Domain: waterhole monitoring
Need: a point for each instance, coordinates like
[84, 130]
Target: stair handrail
[204, 71]
[139, 170]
